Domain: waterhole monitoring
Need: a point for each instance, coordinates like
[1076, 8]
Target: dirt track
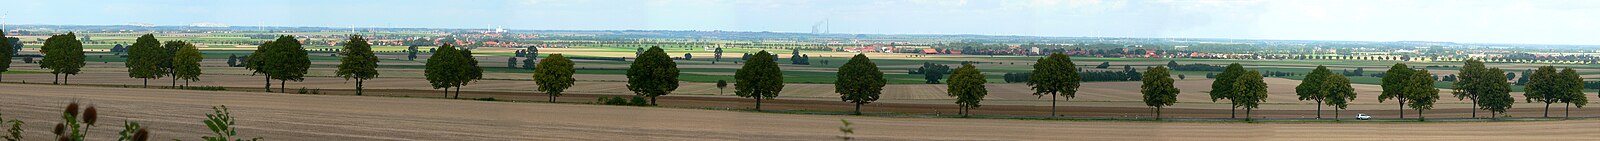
[177, 114]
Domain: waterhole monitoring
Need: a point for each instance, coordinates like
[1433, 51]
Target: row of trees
[149, 59]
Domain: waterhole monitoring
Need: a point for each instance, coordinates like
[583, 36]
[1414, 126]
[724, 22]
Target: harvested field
[177, 114]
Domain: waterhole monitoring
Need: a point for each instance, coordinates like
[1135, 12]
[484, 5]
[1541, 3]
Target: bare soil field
[177, 114]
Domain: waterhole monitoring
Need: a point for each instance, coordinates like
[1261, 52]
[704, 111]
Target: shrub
[302, 90]
[617, 100]
[485, 99]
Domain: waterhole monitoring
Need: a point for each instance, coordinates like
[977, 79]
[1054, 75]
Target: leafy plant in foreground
[221, 124]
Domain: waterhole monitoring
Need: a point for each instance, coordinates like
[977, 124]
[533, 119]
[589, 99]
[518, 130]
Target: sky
[1469, 21]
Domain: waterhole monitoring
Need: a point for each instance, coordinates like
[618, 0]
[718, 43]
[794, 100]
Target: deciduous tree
[144, 59]
[653, 74]
[759, 78]
[63, 55]
[554, 75]
[859, 81]
[1339, 93]
[1496, 97]
[1313, 87]
[357, 62]
[1054, 75]
[6, 52]
[1420, 92]
[966, 84]
[1222, 86]
[441, 71]
[1158, 90]
[1543, 86]
[1395, 85]
[1250, 92]
[1571, 90]
[186, 64]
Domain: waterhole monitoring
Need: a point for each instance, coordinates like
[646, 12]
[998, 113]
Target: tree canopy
[1158, 89]
[966, 84]
[653, 74]
[554, 75]
[1054, 75]
[186, 63]
[1250, 92]
[144, 58]
[357, 61]
[859, 81]
[759, 78]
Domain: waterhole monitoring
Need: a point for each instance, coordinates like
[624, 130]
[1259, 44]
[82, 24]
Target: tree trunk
[1402, 107]
[1567, 110]
[1474, 107]
[858, 108]
[1233, 110]
[1546, 109]
[358, 86]
[146, 83]
[1247, 113]
[758, 103]
[458, 93]
[269, 83]
[56, 79]
[1052, 104]
[1319, 108]
[174, 80]
[652, 100]
[446, 92]
[552, 97]
[69, 76]
[1336, 114]
[283, 85]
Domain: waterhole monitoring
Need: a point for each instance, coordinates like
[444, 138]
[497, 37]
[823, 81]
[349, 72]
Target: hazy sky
[1474, 21]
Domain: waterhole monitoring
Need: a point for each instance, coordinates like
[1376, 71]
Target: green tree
[7, 50]
[1250, 92]
[467, 70]
[759, 78]
[144, 59]
[554, 75]
[169, 51]
[1158, 90]
[1339, 93]
[1222, 86]
[1395, 83]
[441, 71]
[186, 64]
[1313, 87]
[1496, 98]
[290, 61]
[1571, 90]
[63, 55]
[859, 81]
[716, 56]
[1543, 86]
[1420, 92]
[1475, 80]
[653, 74]
[1054, 75]
[966, 84]
[258, 62]
[357, 62]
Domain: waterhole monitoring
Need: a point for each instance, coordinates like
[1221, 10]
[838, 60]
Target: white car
[1363, 117]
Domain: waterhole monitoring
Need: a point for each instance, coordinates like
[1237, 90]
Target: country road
[177, 114]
